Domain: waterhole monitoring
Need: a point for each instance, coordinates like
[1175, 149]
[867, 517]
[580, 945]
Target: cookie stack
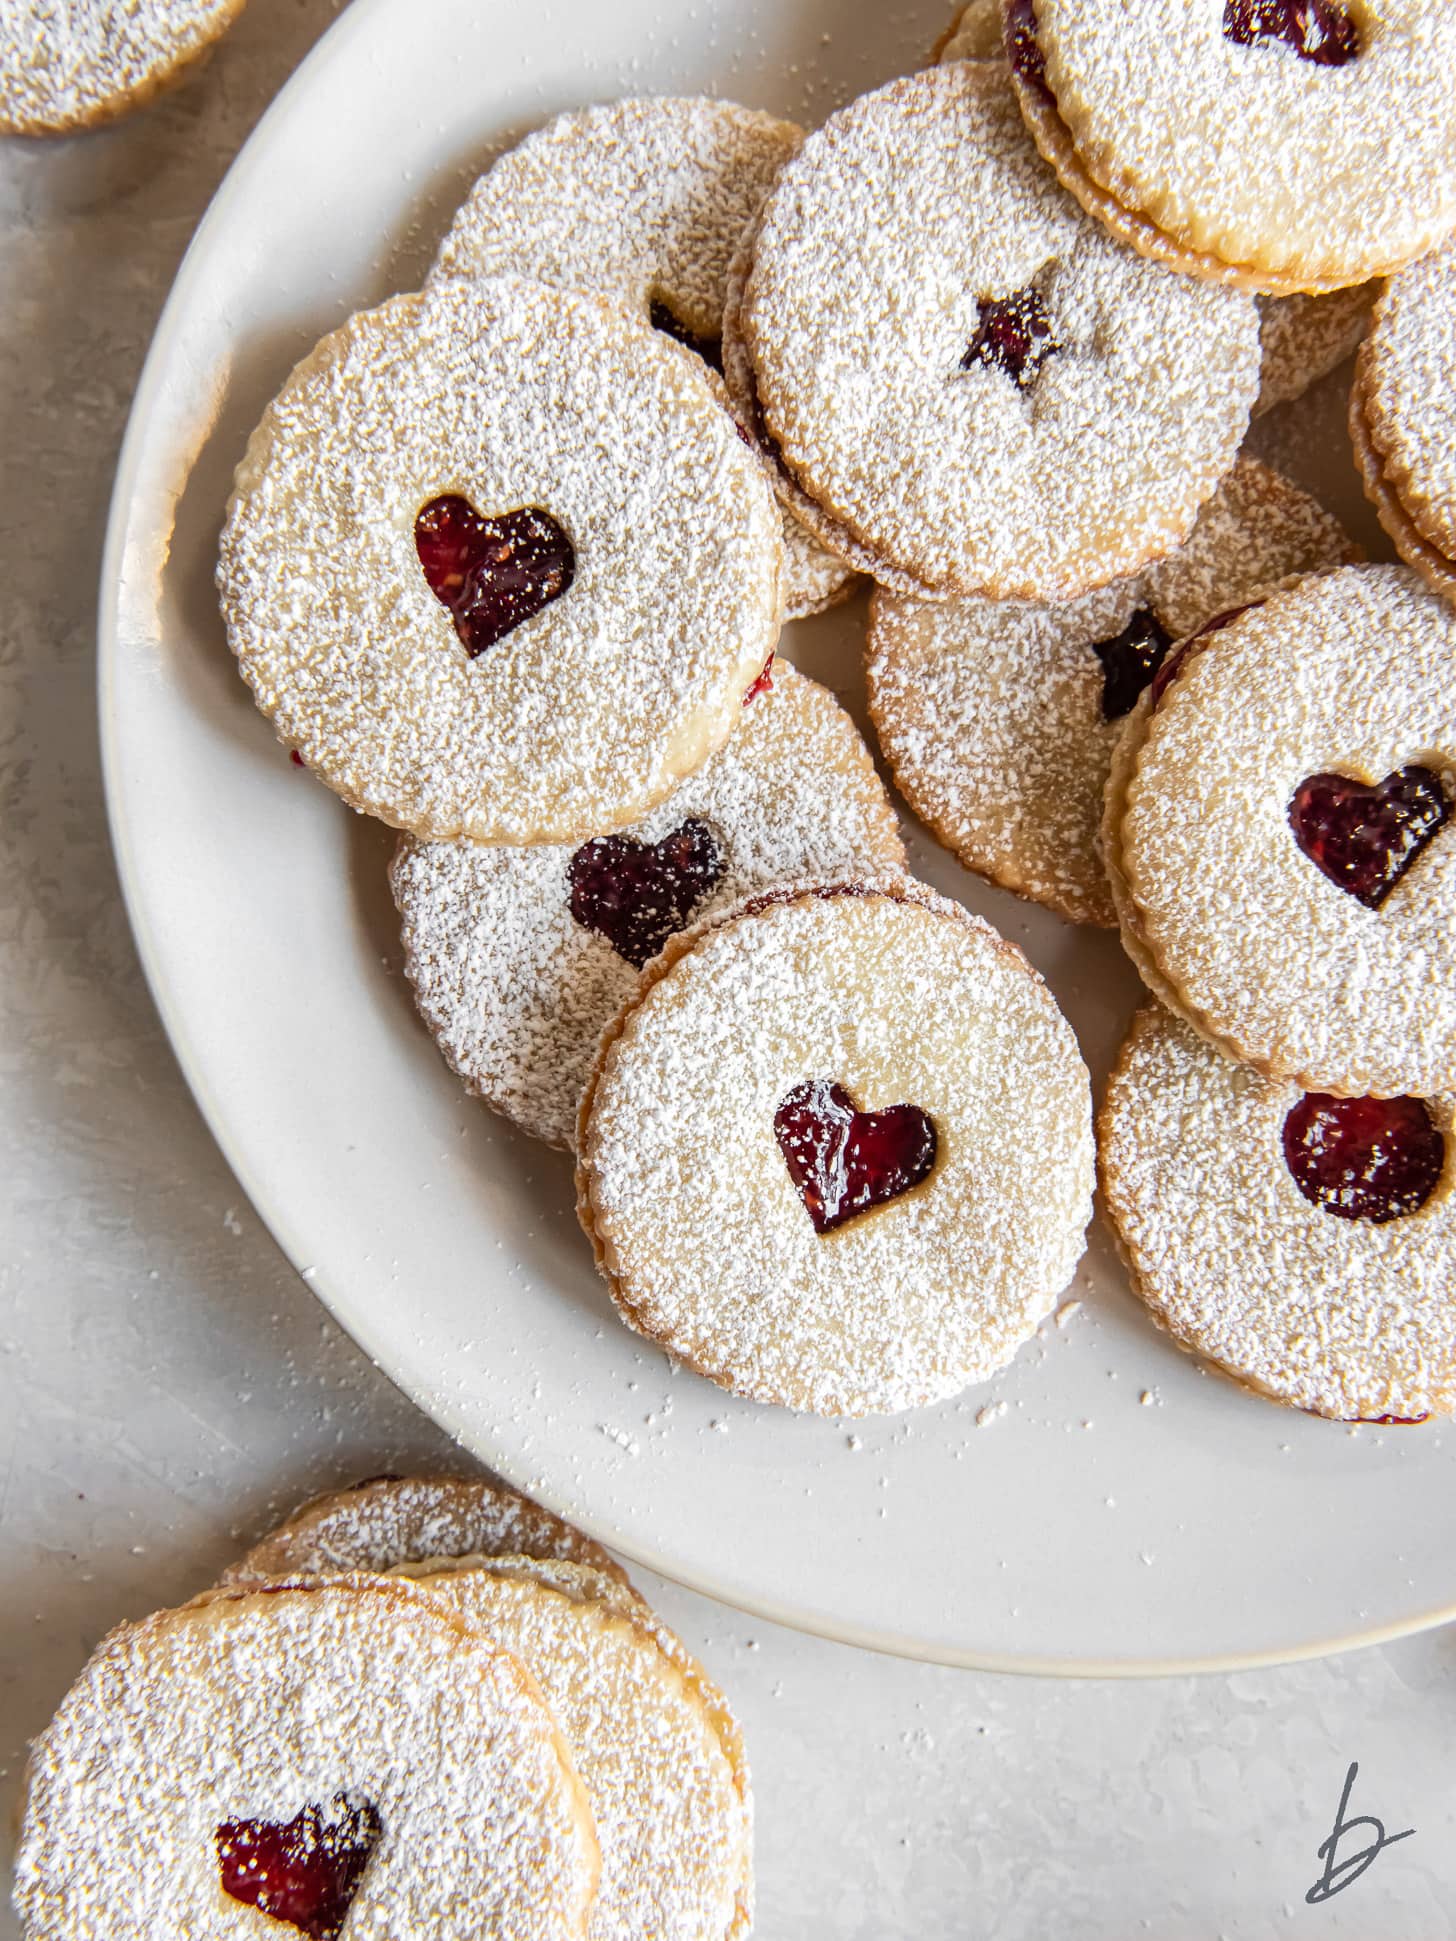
[419, 1707]
[507, 562]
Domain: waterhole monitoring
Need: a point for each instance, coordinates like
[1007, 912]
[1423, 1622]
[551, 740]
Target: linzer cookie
[1279, 835]
[1305, 1244]
[836, 1154]
[967, 373]
[391, 1520]
[521, 956]
[351, 1758]
[1403, 416]
[974, 34]
[1284, 145]
[497, 564]
[671, 1810]
[68, 64]
[999, 717]
[642, 201]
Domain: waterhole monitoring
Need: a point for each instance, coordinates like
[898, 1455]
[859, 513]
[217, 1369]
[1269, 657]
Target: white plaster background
[166, 1382]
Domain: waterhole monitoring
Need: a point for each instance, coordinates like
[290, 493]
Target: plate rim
[357, 20]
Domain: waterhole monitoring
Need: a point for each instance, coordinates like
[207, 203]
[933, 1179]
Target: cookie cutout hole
[1130, 660]
[638, 894]
[1319, 31]
[1364, 1159]
[303, 1872]
[844, 1162]
[1364, 836]
[492, 573]
[1014, 335]
[662, 317]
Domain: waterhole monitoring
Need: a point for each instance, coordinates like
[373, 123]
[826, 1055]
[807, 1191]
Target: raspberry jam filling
[1364, 1159]
[1172, 665]
[1317, 30]
[1014, 335]
[763, 684]
[491, 573]
[1023, 46]
[842, 1161]
[1130, 660]
[638, 894]
[1366, 837]
[710, 349]
[304, 1871]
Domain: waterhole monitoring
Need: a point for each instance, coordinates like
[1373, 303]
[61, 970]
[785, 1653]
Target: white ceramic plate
[1123, 1512]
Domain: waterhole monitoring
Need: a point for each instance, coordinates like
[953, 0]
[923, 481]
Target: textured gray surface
[166, 1381]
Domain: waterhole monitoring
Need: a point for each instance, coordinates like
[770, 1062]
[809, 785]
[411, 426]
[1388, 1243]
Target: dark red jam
[305, 1871]
[1169, 669]
[491, 573]
[844, 1162]
[1130, 660]
[638, 894]
[1317, 30]
[1365, 838]
[1022, 45]
[710, 349]
[1014, 335]
[764, 683]
[1364, 1159]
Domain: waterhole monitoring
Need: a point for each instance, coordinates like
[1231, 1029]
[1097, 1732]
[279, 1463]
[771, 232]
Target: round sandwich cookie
[871, 1103]
[497, 564]
[69, 64]
[348, 1759]
[968, 373]
[521, 956]
[1284, 145]
[390, 1520]
[974, 35]
[999, 717]
[1403, 415]
[1279, 838]
[672, 1814]
[1304, 1244]
[642, 201]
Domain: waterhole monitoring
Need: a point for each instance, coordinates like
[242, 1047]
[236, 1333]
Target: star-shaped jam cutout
[1014, 335]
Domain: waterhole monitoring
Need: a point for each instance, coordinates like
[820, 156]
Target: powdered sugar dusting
[1409, 398]
[68, 63]
[899, 996]
[1302, 338]
[253, 1705]
[588, 713]
[877, 243]
[1339, 1316]
[400, 1520]
[991, 711]
[517, 992]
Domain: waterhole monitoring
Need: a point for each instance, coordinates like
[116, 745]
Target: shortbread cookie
[400, 1519]
[1302, 146]
[1404, 399]
[968, 373]
[354, 1758]
[1279, 839]
[1435, 569]
[1302, 339]
[673, 1826]
[642, 201]
[974, 34]
[836, 1154]
[999, 717]
[521, 956]
[498, 566]
[1305, 1244]
[67, 64]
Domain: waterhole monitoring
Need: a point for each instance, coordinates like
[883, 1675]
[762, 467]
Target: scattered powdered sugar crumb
[992, 1412]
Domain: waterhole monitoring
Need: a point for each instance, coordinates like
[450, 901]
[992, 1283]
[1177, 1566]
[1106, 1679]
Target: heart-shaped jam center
[491, 573]
[1317, 30]
[1364, 1159]
[1014, 335]
[1130, 660]
[304, 1871]
[638, 894]
[710, 349]
[843, 1161]
[1365, 838]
